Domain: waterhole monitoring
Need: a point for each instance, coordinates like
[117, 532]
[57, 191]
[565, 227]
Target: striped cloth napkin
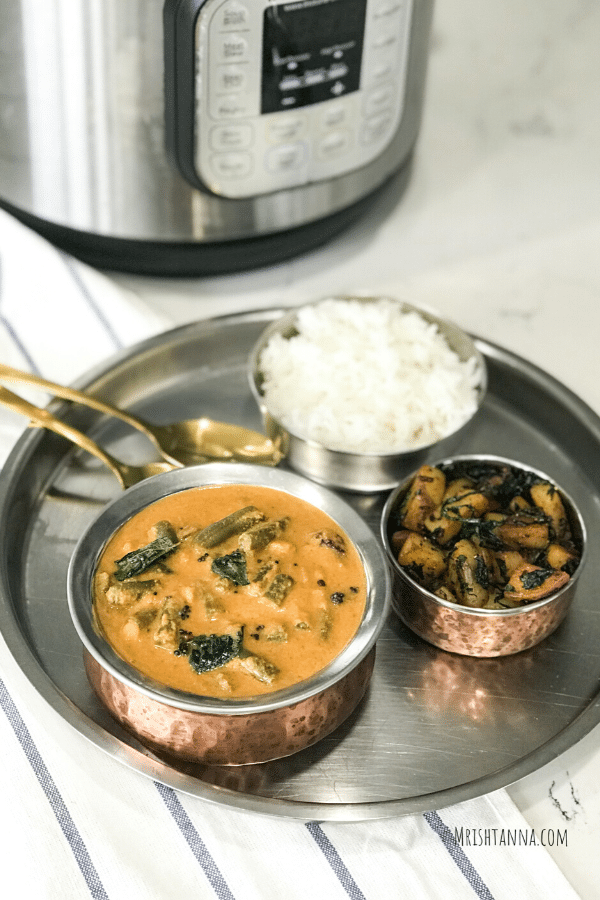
[76, 822]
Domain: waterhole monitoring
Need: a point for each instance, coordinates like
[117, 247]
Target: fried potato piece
[549, 500]
[418, 553]
[468, 504]
[510, 561]
[445, 593]
[397, 539]
[529, 583]
[424, 496]
[468, 574]
[442, 528]
[518, 504]
[523, 530]
[559, 556]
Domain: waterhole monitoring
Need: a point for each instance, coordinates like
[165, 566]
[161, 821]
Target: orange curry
[229, 591]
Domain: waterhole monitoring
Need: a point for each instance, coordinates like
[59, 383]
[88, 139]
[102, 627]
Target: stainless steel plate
[435, 728]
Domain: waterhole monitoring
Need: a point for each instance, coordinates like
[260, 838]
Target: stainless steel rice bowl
[228, 731]
[474, 631]
[358, 471]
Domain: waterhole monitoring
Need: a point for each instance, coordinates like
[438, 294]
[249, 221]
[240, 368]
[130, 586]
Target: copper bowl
[472, 631]
[361, 472]
[228, 731]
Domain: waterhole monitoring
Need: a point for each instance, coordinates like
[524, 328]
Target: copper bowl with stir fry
[486, 554]
[192, 724]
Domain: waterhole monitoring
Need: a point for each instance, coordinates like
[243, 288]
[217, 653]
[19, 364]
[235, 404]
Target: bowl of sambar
[229, 612]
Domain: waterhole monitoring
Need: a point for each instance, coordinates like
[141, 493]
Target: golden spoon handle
[7, 373]
[44, 419]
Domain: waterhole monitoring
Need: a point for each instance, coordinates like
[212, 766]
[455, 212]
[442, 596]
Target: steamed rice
[367, 377]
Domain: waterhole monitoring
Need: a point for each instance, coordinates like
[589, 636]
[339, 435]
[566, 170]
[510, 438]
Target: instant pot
[204, 136]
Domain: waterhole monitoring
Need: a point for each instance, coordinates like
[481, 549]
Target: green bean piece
[166, 635]
[128, 592]
[260, 536]
[279, 589]
[235, 523]
[325, 624]
[259, 667]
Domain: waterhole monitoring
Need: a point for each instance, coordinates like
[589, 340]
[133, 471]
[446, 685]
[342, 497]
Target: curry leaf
[211, 651]
[140, 560]
[231, 566]
[534, 578]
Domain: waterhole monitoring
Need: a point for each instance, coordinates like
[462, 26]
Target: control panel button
[385, 40]
[232, 165]
[376, 128]
[382, 69]
[230, 78]
[379, 99]
[232, 15]
[231, 137]
[287, 158]
[231, 48]
[285, 129]
[387, 8]
[334, 144]
[231, 106]
[334, 115]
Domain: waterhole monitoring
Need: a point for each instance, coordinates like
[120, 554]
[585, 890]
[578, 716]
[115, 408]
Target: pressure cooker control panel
[285, 94]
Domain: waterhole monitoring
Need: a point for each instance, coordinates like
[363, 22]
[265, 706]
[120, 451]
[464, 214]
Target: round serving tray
[434, 728]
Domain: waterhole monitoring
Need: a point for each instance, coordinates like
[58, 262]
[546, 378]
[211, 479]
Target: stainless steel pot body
[86, 120]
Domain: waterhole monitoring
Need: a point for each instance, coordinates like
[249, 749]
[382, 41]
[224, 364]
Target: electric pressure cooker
[204, 136]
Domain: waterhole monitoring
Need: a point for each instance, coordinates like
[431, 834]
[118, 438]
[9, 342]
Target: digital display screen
[312, 51]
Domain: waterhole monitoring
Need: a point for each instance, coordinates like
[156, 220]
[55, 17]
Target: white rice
[367, 378]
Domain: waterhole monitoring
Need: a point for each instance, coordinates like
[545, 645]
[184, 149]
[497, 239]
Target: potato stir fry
[484, 535]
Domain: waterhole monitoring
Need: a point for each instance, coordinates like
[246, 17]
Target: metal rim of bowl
[477, 612]
[89, 548]
[285, 326]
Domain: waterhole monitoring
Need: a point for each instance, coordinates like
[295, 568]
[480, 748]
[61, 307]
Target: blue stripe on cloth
[53, 796]
[91, 301]
[14, 336]
[458, 855]
[335, 861]
[195, 842]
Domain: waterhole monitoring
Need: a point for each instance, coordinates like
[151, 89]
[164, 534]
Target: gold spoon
[182, 443]
[126, 474]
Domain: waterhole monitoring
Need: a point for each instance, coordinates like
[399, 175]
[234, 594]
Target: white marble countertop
[499, 229]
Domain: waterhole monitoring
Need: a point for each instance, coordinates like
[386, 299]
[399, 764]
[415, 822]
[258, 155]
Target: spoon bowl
[185, 443]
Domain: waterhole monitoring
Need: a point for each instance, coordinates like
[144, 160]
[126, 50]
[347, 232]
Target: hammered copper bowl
[470, 631]
[361, 472]
[221, 731]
